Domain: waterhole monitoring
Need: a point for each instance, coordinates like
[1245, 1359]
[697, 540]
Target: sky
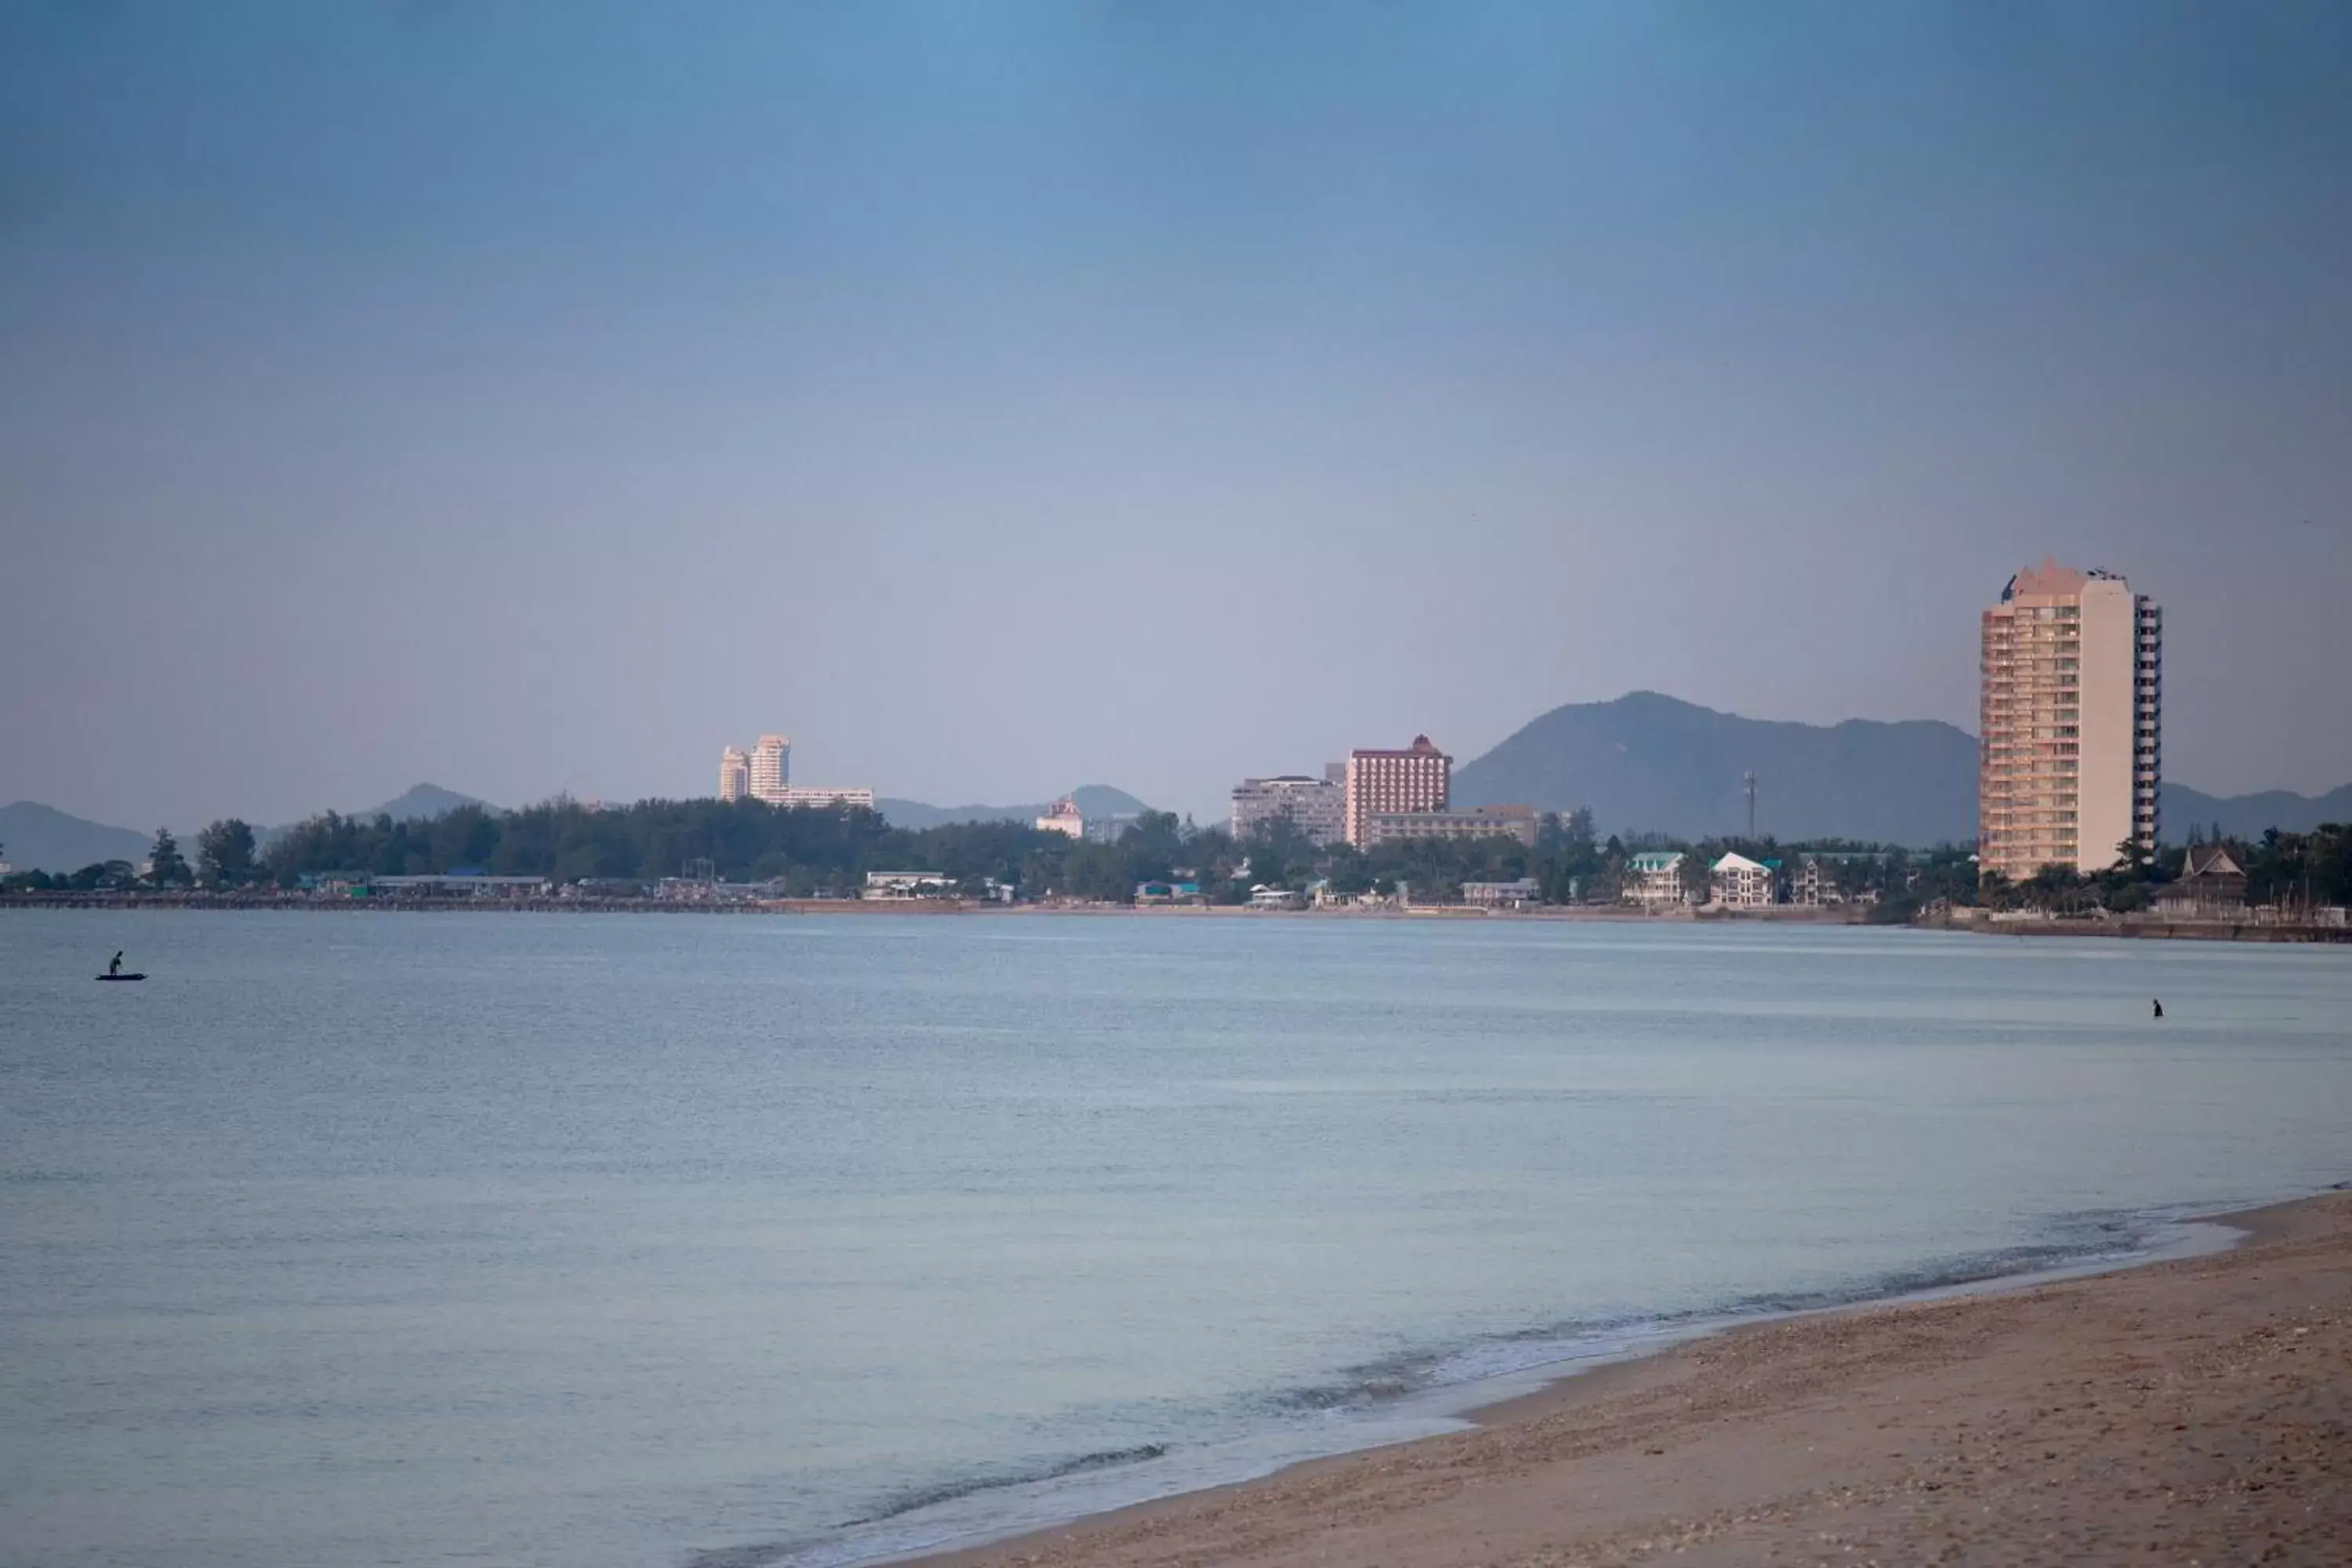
[1002, 397]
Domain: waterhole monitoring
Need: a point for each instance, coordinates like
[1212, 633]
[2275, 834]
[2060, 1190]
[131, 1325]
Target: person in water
[2159, 1005]
[114, 966]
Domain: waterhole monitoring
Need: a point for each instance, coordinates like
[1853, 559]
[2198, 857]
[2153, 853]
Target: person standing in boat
[114, 966]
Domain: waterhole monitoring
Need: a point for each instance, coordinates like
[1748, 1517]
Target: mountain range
[1648, 763]
[36, 837]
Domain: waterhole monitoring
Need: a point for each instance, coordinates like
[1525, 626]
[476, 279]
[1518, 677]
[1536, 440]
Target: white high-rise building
[1316, 808]
[2071, 720]
[734, 774]
[771, 768]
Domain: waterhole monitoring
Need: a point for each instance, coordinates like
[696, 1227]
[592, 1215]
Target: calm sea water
[594, 1241]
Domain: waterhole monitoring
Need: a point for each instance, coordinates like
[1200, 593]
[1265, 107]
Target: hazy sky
[1002, 396]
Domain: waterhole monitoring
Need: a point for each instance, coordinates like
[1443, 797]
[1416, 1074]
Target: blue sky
[1001, 397]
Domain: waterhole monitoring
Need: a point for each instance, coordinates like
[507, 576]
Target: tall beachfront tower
[771, 768]
[734, 774]
[1417, 778]
[2072, 718]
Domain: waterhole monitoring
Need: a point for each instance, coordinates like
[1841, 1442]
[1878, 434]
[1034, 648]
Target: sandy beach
[2197, 1411]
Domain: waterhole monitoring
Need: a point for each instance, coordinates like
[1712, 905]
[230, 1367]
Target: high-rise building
[1316, 808]
[2072, 718]
[1065, 818]
[1380, 783]
[734, 774]
[771, 768]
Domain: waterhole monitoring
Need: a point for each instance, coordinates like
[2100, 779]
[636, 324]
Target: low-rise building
[2211, 886]
[1168, 893]
[907, 884]
[1404, 827]
[824, 797]
[1738, 882]
[1264, 897]
[1514, 895]
[1653, 879]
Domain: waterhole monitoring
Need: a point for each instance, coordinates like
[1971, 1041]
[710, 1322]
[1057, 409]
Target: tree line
[816, 850]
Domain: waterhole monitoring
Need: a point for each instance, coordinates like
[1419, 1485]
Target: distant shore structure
[1317, 807]
[771, 766]
[1064, 818]
[1517, 822]
[765, 774]
[2070, 717]
[1387, 782]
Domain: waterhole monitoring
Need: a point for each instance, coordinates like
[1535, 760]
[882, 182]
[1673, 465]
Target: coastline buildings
[1384, 783]
[1654, 878]
[765, 774]
[1740, 883]
[2211, 886]
[1316, 808]
[2071, 723]
[822, 795]
[771, 766]
[1063, 818]
[1404, 827]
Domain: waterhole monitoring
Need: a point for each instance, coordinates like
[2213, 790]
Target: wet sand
[2191, 1411]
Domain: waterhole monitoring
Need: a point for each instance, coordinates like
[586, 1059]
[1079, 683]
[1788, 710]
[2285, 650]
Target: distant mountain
[2246, 816]
[1647, 762]
[1094, 800]
[36, 837]
[1651, 763]
[422, 800]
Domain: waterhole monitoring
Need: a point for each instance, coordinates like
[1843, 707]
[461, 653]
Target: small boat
[121, 977]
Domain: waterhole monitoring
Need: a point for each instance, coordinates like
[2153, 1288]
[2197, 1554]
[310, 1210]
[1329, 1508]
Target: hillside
[1647, 762]
[36, 837]
[2246, 816]
[421, 800]
[1094, 800]
[1651, 763]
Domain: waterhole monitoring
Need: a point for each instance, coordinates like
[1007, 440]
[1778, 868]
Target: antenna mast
[1748, 783]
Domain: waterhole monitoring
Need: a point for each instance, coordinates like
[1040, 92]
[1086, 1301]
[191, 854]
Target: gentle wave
[1358, 1408]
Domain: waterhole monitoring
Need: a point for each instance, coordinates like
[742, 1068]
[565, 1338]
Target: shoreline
[1800, 917]
[1570, 1470]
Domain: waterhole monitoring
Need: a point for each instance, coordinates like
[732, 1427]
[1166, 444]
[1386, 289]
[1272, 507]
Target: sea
[658, 1241]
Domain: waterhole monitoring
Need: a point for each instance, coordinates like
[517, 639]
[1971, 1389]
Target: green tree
[1699, 874]
[166, 867]
[224, 853]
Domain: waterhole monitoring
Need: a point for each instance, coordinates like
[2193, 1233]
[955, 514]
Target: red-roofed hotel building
[1414, 779]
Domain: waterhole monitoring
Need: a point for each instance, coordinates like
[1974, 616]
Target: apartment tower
[1415, 779]
[771, 768]
[1316, 808]
[734, 774]
[2072, 719]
